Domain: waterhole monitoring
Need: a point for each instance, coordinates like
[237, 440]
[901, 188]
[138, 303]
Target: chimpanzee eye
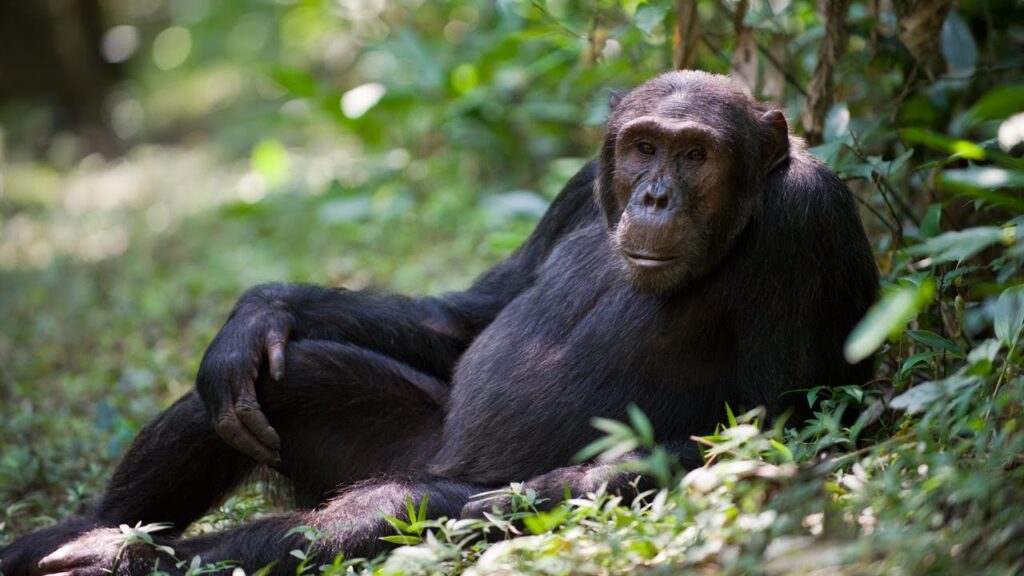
[645, 148]
[696, 154]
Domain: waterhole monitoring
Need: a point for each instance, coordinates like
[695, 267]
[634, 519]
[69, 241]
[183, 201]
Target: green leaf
[958, 44]
[813, 393]
[959, 148]
[931, 226]
[422, 514]
[923, 395]
[730, 417]
[620, 448]
[410, 510]
[641, 424]
[986, 183]
[837, 123]
[399, 525]
[649, 16]
[1009, 315]
[612, 427]
[828, 152]
[999, 103]
[916, 359]
[886, 318]
[837, 126]
[783, 450]
[402, 540]
[543, 522]
[594, 448]
[932, 339]
[959, 245]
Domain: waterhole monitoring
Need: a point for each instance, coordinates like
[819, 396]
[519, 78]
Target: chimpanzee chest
[580, 343]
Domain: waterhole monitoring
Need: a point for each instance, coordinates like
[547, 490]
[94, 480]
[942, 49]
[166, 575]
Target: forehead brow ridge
[677, 105]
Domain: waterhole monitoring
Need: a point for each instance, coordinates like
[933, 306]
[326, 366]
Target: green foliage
[410, 145]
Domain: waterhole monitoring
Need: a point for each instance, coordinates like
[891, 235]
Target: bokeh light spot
[360, 99]
[172, 47]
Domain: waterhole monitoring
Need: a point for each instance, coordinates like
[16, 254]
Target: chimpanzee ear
[776, 149]
[614, 97]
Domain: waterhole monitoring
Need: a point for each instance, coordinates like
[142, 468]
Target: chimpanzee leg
[174, 471]
[344, 414]
[351, 524]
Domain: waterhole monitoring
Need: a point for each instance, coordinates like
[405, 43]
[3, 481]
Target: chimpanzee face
[687, 163]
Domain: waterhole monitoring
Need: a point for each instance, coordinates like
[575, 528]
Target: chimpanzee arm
[812, 281]
[581, 479]
[429, 334]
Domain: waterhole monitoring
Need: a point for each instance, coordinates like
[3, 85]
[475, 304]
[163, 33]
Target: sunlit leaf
[542, 522]
[886, 319]
[783, 450]
[999, 103]
[985, 183]
[923, 395]
[837, 123]
[961, 148]
[958, 245]
[402, 540]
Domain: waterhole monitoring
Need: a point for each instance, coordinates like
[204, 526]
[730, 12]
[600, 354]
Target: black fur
[385, 397]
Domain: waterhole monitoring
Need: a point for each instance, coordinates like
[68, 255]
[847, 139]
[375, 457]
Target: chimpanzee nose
[655, 197]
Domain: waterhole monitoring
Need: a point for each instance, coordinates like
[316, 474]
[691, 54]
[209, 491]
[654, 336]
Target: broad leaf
[886, 318]
[999, 103]
[923, 395]
[958, 44]
[649, 16]
[929, 338]
[959, 245]
[1009, 315]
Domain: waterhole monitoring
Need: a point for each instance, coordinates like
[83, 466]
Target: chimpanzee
[704, 258]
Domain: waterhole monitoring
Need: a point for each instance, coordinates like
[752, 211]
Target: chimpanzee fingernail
[278, 373]
[276, 461]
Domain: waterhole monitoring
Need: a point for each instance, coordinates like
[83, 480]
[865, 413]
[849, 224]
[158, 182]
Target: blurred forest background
[157, 157]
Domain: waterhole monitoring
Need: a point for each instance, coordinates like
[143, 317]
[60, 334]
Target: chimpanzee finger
[248, 410]
[232, 431]
[275, 354]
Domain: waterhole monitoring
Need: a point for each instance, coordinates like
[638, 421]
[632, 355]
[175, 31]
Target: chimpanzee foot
[100, 552]
[22, 557]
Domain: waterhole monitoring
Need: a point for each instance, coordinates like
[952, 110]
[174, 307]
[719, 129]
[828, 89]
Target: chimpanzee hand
[256, 333]
[550, 488]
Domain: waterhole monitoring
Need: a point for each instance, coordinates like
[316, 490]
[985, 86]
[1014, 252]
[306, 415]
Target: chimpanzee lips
[646, 260]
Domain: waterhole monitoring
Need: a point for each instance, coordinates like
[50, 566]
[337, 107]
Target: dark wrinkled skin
[704, 258]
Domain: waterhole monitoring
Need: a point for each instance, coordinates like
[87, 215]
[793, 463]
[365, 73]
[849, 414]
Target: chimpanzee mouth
[649, 261]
